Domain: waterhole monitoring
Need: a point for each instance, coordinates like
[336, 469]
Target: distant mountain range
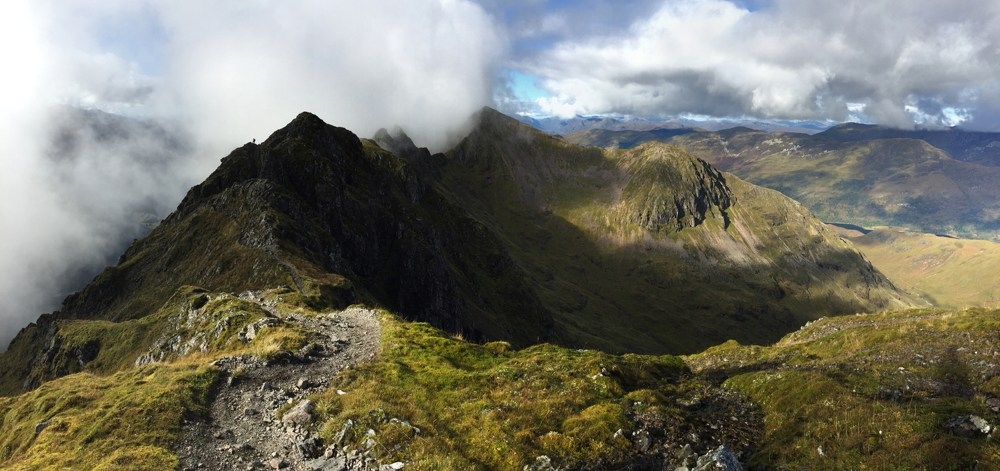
[564, 126]
[933, 181]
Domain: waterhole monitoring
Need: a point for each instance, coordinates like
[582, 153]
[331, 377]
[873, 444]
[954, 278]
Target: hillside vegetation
[873, 391]
[947, 271]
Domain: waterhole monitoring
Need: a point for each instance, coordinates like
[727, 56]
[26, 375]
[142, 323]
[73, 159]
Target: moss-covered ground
[870, 391]
[487, 407]
[112, 414]
[127, 420]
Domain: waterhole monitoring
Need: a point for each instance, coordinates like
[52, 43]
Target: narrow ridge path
[243, 430]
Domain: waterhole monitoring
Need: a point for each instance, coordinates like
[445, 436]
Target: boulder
[721, 458]
[300, 414]
[969, 426]
[310, 447]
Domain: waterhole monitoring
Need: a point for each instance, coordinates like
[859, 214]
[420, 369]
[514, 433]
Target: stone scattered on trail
[250, 331]
[300, 414]
[339, 438]
[721, 458]
[245, 429]
[542, 463]
[310, 447]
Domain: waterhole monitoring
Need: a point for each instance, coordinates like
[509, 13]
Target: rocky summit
[326, 302]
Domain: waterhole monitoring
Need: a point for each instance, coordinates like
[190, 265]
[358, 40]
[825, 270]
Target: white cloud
[249, 67]
[791, 59]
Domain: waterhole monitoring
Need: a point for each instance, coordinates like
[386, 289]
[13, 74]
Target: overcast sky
[228, 71]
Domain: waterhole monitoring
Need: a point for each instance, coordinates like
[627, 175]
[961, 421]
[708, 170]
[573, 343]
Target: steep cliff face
[667, 190]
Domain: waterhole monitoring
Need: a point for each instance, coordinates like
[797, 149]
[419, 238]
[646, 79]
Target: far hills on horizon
[563, 126]
[933, 181]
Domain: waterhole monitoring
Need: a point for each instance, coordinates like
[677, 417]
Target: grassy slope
[872, 391]
[486, 407]
[122, 421]
[950, 272]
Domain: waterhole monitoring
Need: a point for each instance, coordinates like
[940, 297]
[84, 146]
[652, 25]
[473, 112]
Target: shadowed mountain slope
[652, 249]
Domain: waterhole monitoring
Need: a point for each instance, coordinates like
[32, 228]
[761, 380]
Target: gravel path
[242, 431]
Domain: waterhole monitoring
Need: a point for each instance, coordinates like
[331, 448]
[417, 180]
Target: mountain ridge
[658, 218]
[278, 214]
[339, 220]
[322, 253]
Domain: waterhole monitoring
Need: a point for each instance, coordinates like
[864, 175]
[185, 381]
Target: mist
[185, 82]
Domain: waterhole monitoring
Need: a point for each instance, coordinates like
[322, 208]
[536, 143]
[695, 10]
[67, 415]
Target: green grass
[486, 407]
[115, 415]
[872, 390]
[127, 420]
[951, 272]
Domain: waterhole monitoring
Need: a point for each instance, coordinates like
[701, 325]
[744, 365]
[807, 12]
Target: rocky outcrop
[667, 190]
[969, 426]
[59, 357]
[399, 143]
[721, 458]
